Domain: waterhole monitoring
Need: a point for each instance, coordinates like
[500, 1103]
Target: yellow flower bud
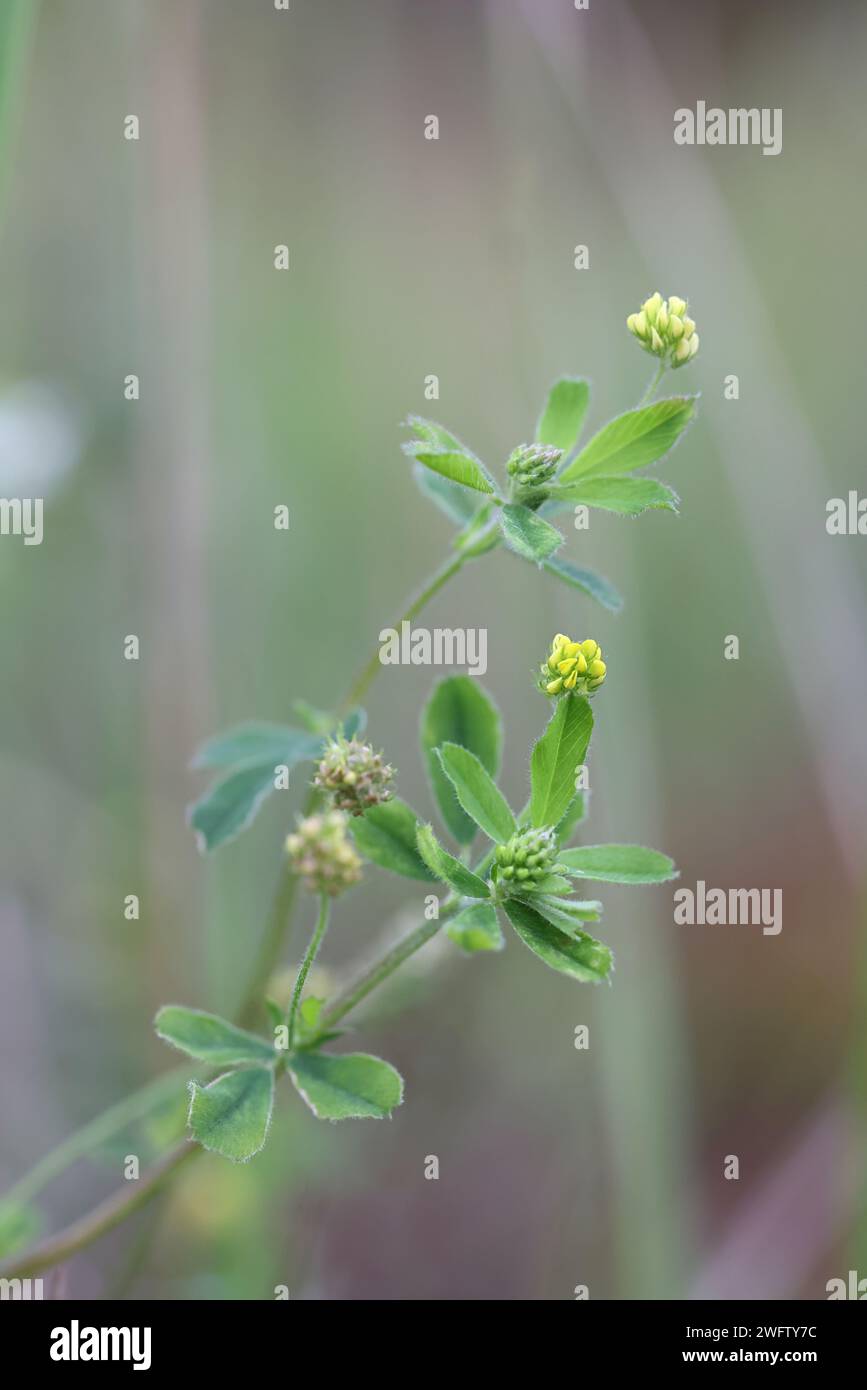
[652, 306]
[662, 326]
[693, 345]
[681, 352]
[575, 666]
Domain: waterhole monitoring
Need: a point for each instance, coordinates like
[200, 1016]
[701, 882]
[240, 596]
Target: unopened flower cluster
[528, 857]
[531, 467]
[322, 855]
[573, 666]
[664, 328]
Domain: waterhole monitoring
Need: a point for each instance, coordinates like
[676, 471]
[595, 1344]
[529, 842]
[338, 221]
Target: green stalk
[309, 957]
[651, 390]
[362, 682]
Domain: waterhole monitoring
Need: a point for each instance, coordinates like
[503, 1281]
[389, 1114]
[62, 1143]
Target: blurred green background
[454, 257]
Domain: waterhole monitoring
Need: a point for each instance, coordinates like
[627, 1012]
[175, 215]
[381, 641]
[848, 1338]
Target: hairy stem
[362, 682]
[309, 957]
[101, 1219]
[386, 965]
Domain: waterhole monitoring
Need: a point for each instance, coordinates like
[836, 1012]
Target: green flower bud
[528, 857]
[531, 467]
[662, 326]
[353, 775]
[321, 854]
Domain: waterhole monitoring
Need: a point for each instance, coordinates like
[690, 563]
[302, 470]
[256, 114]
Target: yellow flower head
[572, 666]
[663, 327]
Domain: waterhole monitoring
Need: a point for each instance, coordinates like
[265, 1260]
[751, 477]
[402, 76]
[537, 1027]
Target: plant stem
[386, 966]
[309, 957]
[132, 1107]
[651, 390]
[363, 680]
[102, 1218]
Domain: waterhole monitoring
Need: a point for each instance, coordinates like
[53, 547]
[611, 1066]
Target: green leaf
[459, 711]
[633, 440]
[528, 534]
[477, 792]
[447, 868]
[551, 883]
[556, 757]
[590, 583]
[456, 502]
[476, 928]
[561, 420]
[579, 955]
[618, 864]
[232, 1115]
[210, 1038]
[386, 836]
[20, 1224]
[567, 916]
[254, 752]
[458, 468]
[429, 432]
[258, 742]
[230, 805]
[574, 814]
[354, 1085]
[626, 496]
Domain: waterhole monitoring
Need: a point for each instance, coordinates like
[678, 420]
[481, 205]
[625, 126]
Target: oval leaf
[626, 496]
[528, 534]
[258, 742]
[458, 468]
[386, 836]
[459, 711]
[633, 440]
[579, 955]
[561, 420]
[231, 804]
[618, 864]
[354, 1086]
[590, 583]
[232, 1115]
[210, 1038]
[476, 928]
[447, 868]
[478, 793]
[558, 753]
